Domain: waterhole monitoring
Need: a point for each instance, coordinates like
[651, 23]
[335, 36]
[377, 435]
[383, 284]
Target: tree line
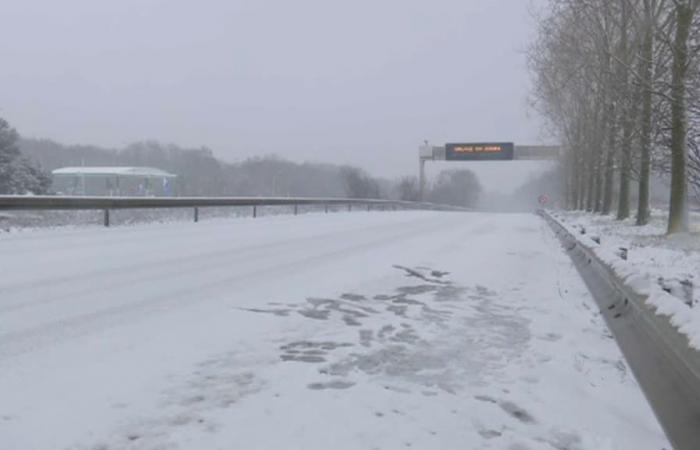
[25, 165]
[618, 82]
[458, 187]
[201, 173]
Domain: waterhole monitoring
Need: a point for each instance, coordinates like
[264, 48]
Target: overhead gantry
[482, 151]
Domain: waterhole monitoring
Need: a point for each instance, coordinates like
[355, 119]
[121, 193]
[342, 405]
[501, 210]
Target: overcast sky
[361, 82]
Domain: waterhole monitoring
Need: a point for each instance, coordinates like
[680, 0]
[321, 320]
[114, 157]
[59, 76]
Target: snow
[655, 263]
[426, 330]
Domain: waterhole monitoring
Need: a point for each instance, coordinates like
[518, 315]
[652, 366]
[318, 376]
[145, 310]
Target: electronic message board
[499, 151]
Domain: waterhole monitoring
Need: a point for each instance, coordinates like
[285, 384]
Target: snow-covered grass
[396, 330]
[656, 263]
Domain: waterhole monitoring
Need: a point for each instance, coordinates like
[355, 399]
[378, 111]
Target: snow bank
[662, 268]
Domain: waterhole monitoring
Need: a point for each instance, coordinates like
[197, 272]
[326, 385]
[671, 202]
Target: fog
[361, 82]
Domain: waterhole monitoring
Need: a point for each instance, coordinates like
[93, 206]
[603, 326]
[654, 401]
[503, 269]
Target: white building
[114, 181]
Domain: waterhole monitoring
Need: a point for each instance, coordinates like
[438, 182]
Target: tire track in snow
[81, 323]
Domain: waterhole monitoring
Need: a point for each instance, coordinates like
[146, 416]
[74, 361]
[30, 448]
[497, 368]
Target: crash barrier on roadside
[105, 204]
[664, 364]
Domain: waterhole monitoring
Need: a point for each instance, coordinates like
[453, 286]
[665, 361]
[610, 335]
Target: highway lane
[351, 330]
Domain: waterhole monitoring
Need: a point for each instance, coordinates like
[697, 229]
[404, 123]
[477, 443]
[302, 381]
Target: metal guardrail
[666, 367]
[47, 202]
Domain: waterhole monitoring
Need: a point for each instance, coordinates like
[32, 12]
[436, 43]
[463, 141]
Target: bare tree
[408, 189]
[618, 83]
[684, 12]
[456, 187]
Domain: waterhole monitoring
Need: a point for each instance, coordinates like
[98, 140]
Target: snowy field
[656, 264]
[423, 330]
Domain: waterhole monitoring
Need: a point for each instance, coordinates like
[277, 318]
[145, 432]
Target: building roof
[113, 171]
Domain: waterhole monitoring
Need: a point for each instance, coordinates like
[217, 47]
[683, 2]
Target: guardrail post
[369, 206]
[296, 210]
[349, 207]
[255, 211]
[106, 217]
[326, 207]
[196, 214]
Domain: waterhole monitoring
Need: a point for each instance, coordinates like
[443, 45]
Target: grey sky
[362, 81]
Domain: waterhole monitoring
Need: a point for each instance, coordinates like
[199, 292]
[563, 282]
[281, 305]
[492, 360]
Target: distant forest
[25, 166]
[201, 174]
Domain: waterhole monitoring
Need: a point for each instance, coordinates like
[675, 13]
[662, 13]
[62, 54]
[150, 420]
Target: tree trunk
[603, 151]
[598, 186]
[609, 182]
[580, 184]
[590, 186]
[575, 185]
[645, 117]
[609, 158]
[623, 204]
[678, 211]
[581, 203]
[570, 170]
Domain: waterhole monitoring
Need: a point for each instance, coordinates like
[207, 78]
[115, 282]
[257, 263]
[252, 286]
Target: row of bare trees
[618, 82]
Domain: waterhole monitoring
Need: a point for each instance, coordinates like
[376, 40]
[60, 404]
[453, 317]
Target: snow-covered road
[424, 330]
